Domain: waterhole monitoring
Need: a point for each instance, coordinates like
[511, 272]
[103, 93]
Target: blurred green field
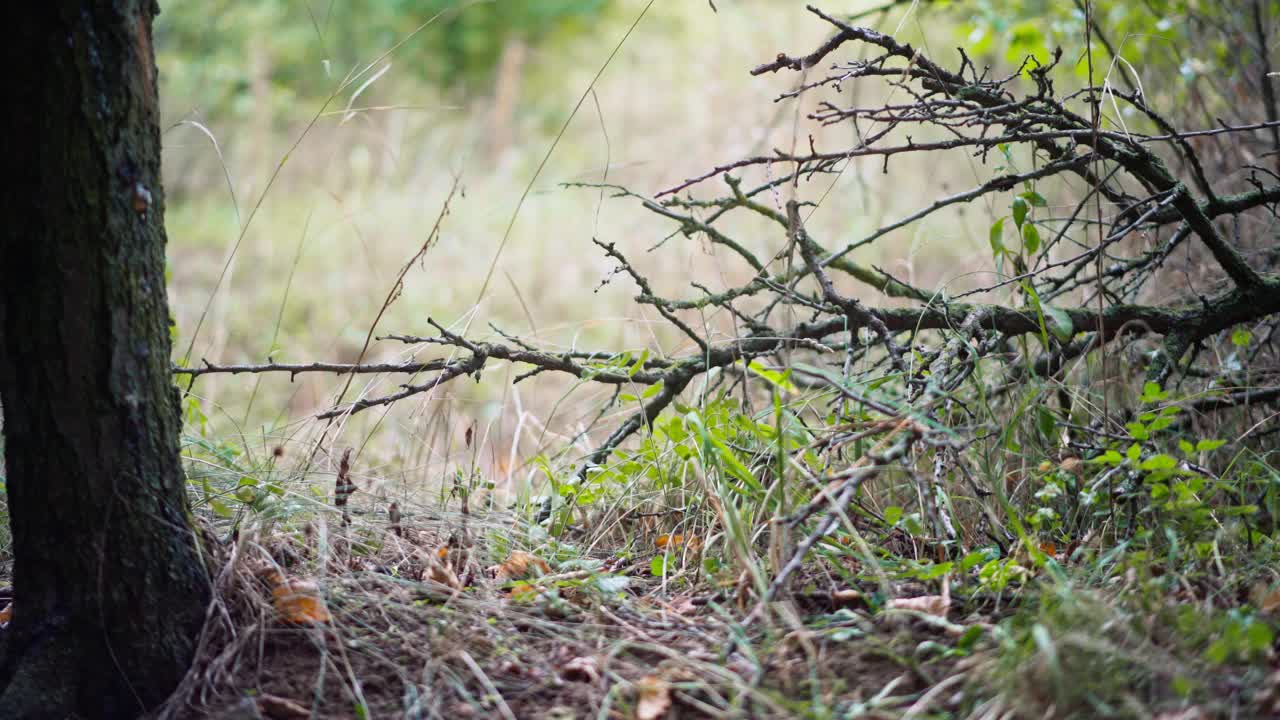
[358, 195]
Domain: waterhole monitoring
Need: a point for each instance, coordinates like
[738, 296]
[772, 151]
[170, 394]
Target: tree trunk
[109, 587]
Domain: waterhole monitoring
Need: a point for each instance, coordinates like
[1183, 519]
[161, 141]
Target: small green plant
[1164, 488]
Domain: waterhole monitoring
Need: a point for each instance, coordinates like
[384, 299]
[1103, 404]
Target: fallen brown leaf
[846, 597]
[581, 669]
[299, 602]
[678, 540]
[524, 592]
[929, 604]
[520, 565]
[1271, 603]
[440, 572]
[278, 708]
[654, 698]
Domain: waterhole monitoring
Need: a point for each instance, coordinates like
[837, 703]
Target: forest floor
[375, 622]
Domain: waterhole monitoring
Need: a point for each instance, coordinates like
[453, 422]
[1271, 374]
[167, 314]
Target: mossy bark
[109, 589]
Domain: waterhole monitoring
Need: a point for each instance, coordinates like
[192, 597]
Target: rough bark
[109, 588]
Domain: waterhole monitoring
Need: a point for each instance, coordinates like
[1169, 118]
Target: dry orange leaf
[654, 698]
[677, 540]
[524, 591]
[299, 602]
[441, 573]
[928, 604]
[520, 565]
[271, 576]
[6, 615]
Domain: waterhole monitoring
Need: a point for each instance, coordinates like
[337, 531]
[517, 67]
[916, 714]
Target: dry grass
[438, 620]
[577, 641]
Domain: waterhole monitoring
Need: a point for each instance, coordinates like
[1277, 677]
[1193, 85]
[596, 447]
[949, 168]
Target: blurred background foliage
[1134, 40]
[480, 92]
[213, 50]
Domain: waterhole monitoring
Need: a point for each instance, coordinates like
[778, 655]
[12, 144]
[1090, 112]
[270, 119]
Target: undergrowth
[1135, 583]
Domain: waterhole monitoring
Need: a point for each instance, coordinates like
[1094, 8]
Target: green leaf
[658, 565]
[1207, 445]
[1035, 198]
[1151, 392]
[652, 390]
[1186, 447]
[1241, 337]
[1030, 239]
[1218, 651]
[1160, 462]
[1134, 452]
[1110, 457]
[638, 365]
[934, 571]
[1183, 686]
[973, 559]
[1059, 322]
[997, 245]
[1258, 636]
[970, 637]
[1019, 211]
[779, 380]
[912, 525]
[892, 514]
[1046, 421]
[1137, 430]
[220, 509]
